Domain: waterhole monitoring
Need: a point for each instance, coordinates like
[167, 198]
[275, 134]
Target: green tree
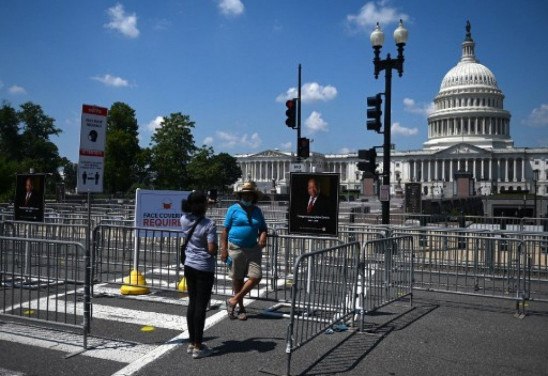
[202, 171]
[10, 151]
[229, 172]
[209, 171]
[10, 139]
[171, 151]
[39, 153]
[8, 169]
[144, 173]
[121, 149]
[69, 174]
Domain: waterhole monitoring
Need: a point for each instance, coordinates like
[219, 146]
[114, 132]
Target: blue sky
[231, 64]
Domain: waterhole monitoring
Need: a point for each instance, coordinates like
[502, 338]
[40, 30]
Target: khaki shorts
[245, 262]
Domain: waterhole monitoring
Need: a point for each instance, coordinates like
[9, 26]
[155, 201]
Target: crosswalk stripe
[119, 351]
[118, 314]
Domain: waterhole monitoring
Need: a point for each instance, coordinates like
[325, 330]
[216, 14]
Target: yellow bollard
[135, 284]
[182, 285]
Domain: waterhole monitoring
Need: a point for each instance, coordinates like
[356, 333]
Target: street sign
[297, 167]
[92, 149]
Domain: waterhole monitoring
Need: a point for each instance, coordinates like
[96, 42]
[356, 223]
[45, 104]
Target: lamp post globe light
[377, 40]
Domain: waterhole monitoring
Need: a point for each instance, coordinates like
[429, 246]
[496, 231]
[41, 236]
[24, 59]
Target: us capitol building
[468, 132]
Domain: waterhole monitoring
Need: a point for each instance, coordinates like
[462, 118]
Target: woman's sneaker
[201, 353]
[190, 348]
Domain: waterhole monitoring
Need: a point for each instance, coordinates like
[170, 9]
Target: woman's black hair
[196, 203]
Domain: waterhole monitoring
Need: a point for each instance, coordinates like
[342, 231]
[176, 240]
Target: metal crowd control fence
[488, 264]
[154, 253]
[322, 294]
[54, 231]
[285, 249]
[45, 280]
[386, 273]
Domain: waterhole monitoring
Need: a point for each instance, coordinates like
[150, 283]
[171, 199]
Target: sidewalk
[440, 334]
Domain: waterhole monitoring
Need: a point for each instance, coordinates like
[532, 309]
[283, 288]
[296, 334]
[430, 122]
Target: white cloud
[345, 151]
[233, 140]
[286, 146]
[155, 124]
[208, 141]
[110, 80]
[231, 7]
[315, 123]
[397, 129]
[423, 109]
[310, 92]
[538, 117]
[371, 13]
[17, 90]
[120, 21]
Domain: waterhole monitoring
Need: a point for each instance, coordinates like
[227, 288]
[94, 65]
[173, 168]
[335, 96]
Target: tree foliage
[171, 151]
[25, 144]
[121, 149]
[210, 171]
[171, 162]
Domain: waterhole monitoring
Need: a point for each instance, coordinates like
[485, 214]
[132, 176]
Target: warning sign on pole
[384, 193]
[92, 149]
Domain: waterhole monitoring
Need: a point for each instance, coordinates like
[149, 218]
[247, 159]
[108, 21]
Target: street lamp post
[535, 179]
[377, 39]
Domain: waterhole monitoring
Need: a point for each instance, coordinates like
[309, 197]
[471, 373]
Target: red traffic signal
[303, 149]
[374, 113]
[291, 112]
[367, 161]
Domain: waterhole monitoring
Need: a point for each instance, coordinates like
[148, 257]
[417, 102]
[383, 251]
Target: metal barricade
[386, 273]
[153, 253]
[45, 280]
[285, 249]
[54, 231]
[322, 293]
[488, 264]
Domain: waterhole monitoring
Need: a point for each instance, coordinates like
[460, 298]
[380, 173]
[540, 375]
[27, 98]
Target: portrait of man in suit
[313, 203]
[29, 198]
[317, 203]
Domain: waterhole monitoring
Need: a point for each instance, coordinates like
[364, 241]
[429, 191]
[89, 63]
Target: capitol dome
[470, 73]
[469, 106]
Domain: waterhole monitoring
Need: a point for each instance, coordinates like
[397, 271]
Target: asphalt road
[438, 334]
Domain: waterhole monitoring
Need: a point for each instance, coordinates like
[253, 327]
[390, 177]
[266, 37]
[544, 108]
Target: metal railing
[386, 273]
[45, 280]
[322, 294]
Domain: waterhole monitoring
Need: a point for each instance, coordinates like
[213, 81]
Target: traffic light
[374, 113]
[367, 161]
[303, 150]
[291, 112]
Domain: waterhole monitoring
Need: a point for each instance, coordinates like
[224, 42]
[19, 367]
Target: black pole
[387, 141]
[535, 199]
[299, 114]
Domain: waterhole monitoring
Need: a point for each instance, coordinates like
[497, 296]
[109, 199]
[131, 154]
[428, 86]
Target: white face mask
[246, 202]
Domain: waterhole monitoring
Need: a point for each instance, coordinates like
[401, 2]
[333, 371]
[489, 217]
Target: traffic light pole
[299, 116]
[385, 205]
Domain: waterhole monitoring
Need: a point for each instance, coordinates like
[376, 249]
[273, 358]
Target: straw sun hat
[249, 187]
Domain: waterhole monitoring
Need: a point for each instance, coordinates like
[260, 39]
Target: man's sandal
[242, 315]
[230, 309]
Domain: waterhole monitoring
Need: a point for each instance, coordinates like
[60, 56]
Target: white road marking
[118, 351]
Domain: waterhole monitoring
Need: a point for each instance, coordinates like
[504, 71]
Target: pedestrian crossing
[101, 348]
[167, 314]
